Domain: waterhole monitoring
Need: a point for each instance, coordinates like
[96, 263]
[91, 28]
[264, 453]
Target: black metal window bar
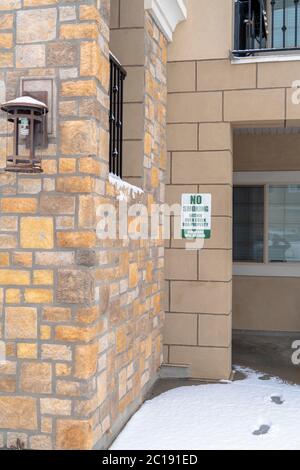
[117, 77]
[266, 26]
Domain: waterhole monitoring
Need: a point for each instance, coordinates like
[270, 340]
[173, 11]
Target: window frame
[266, 179]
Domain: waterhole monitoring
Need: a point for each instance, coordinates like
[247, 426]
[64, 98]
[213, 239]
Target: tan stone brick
[57, 204]
[61, 54]
[79, 31]
[133, 275]
[13, 296]
[7, 384]
[18, 413]
[4, 259]
[27, 350]
[6, 40]
[215, 265]
[38, 296]
[38, 3]
[75, 333]
[67, 165]
[79, 88]
[22, 259]
[74, 435]
[20, 323]
[8, 241]
[29, 186]
[36, 377]
[43, 277]
[78, 137]
[36, 232]
[40, 442]
[93, 63]
[87, 212]
[121, 339]
[14, 277]
[56, 314]
[46, 425]
[45, 332]
[6, 21]
[88, 314]
[76, 239]
[18, 205]
[6, 59]
[63, 370]
[36, 25]
[86, 360]
[75, 184]
[55, 406]
[56, 352]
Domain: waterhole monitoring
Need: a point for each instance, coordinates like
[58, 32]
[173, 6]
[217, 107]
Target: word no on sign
[196, 216]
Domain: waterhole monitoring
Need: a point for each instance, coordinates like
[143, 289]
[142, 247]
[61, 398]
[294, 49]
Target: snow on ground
[245, 414]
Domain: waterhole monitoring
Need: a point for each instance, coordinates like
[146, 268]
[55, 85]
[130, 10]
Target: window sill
[265, 58]
[267, 270]
[125, 189]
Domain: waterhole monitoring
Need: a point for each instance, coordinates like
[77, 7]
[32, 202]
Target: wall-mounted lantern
[29, 118]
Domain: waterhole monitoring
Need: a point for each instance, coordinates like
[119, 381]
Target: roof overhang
[167, 14]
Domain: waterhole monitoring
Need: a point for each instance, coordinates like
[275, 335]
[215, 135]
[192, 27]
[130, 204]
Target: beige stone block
[201, 297]
[36, 25]
[20, 323]
[133, 158]
[221, 198]
[214, 330]
[194, 107]
[131, 14]
[206, 363]
[134, 85]
[55, 406]
[174, 192]
[215, 265]
[180, 329]
[277, 74]
[33, 55]
[18, 412]
[202, 167]
[182, 137]
[222, 75]
[180, 264]
[261, 106]
[292, 107]
[128, 46]
[114, 14]
[133, 121]
[215, 136]
[181, 76]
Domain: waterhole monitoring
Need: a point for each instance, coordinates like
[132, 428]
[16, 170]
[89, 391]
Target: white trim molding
[167, 14]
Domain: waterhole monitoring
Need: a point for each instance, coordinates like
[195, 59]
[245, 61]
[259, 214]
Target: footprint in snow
[277, 399]
[263, 429]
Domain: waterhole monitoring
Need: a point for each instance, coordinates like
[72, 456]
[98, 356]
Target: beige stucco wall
[208, 96]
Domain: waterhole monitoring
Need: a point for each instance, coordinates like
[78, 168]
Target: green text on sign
[196, 216]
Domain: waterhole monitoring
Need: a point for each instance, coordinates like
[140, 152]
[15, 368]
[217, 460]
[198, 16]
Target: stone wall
[81, 317]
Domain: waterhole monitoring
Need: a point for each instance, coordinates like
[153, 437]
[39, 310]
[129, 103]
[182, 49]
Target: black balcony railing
[266, 26]
[117, 77]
